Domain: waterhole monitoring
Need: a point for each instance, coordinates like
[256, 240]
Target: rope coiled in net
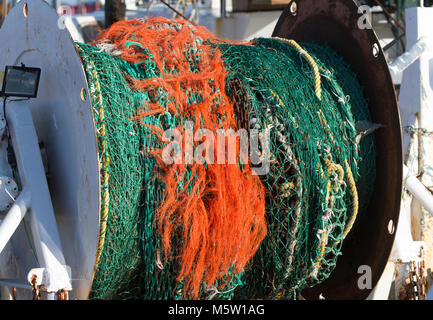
[198, 230]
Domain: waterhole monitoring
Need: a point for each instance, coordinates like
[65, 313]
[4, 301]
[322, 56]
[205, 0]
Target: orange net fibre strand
[219, 222]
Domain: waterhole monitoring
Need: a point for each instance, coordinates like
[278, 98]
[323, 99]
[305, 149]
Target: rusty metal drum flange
[335, 23]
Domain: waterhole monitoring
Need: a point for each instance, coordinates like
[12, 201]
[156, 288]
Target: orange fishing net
[214, 223]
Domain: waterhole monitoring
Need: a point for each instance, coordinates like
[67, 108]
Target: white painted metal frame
[63, 121]
[35, 197]
[14, 217]
[416, 65]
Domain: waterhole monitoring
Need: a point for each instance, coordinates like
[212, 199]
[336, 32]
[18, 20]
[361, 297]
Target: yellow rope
[311, 62]
[354, 193]
[318, 263]
[331, 168]
[106, 177]
[352, 187]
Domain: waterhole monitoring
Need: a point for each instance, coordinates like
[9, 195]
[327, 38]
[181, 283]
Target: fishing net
[179, 224]
[315, 165]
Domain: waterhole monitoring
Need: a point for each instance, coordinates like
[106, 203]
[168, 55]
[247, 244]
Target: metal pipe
[13, 218]
[176, 11]
[418, 190]
[223, 9]
[406, 59]
[386, 12]
[393, 42]
[399, 46]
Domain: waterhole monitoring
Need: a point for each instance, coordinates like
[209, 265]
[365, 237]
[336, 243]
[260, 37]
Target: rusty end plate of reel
[335, 23]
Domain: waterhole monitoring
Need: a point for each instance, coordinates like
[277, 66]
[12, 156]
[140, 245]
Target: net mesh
[207, 230]
[314, 152]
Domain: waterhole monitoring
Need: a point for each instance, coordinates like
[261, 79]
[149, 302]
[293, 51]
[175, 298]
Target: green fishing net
[305, 196]
[313, 150]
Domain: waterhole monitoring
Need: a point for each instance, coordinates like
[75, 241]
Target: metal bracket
[49, 280]
[8, 192]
